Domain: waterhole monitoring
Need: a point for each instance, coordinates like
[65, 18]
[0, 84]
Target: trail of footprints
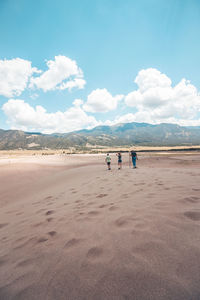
[49, 217]
[92, 253]
[193, 215]
[121, 222]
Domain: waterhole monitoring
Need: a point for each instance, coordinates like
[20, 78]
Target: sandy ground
[70, 229]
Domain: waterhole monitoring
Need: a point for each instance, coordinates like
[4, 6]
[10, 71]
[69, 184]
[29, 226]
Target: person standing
[134, 157]
[108, 161]
[119, 156]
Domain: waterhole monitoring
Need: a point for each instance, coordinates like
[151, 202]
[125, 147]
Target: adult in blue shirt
[134, 157]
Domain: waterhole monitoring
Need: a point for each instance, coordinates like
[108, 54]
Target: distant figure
[134, 157]
[119, 160]
[108, 161]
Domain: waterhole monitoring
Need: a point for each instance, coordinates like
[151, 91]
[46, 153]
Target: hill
[125, 134]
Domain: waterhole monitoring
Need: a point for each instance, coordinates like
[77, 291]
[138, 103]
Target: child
[108, 161]
[119, 160]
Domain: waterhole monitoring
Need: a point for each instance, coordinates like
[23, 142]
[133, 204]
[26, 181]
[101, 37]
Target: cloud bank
[154, 101]
[23, 116]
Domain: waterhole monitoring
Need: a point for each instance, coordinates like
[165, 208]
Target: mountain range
[126, 134]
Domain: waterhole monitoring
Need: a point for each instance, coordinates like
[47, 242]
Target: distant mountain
[139, 134]
[125, 134]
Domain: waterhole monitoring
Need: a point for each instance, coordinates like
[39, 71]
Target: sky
[67, 65]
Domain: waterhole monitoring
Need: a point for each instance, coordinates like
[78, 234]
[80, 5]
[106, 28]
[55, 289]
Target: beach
[71, 229]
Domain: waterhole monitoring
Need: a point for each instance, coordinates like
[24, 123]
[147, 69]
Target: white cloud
[63, 73]
[25, 117]
[151, 78]
[157, 101]
[100, 100]
[14, 76]
[77, 82]
[139, 117]
[77, 102]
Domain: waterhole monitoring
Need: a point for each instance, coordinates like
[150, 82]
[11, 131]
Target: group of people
[132, 155]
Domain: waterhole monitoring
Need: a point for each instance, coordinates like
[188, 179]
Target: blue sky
[136, 58]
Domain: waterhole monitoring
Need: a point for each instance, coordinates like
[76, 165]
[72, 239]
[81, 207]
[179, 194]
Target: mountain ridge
[122, 134]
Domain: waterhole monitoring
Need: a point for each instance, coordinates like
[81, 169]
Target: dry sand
[69, 229]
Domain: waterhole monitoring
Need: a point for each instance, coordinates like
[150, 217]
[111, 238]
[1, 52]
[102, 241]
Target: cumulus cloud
[14, 76]
[157, 101]
[23, 116]
[151, 78]
[100, 100]
[63, 73]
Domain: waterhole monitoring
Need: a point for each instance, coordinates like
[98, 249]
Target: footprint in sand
[49, 212]
[196, 190]
[113, 208]
[94, 252]
[42, 240]
[52, 233]
[191, 200]
[48, 198]
[102, 206]
[3, 225]
[123, 221]
[49, 219]
[78, 201]
[101, 195]
[93, 213]
[19, 214]
[193, 215]
[81, 213]
[3, 260]
[72, 243]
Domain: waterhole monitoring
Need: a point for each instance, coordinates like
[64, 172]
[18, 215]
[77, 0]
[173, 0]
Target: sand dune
[70, 229]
